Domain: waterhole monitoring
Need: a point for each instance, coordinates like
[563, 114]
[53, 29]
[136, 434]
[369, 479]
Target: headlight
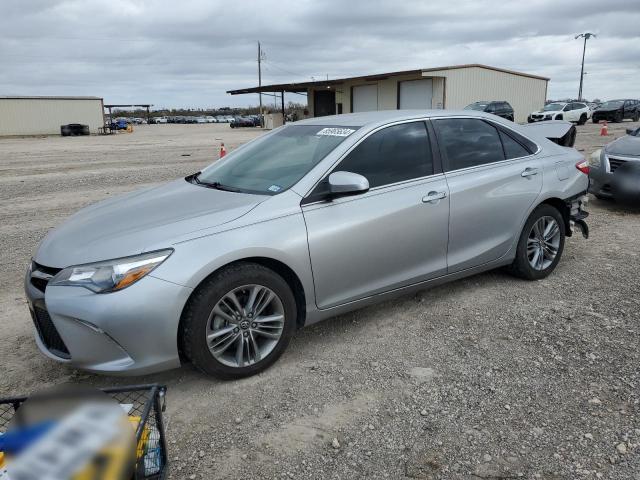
[594, 159]
[111, 275]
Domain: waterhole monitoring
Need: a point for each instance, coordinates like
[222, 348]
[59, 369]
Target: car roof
[386, 116]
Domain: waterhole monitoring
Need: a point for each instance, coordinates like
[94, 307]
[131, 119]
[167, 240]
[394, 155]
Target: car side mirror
[631, 131]
[347, 183]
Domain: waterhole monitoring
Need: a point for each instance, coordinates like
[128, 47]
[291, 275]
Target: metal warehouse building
[451, 87]
[45, 115]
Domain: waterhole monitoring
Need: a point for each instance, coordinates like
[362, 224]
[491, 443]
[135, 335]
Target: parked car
[617, 111]
[200, 120]
[210, 119]
[244, 121]
[74, 129]
[119, 124]
[577, 112]
[497, 107]
[161, 120]
[605, 163]
[306, 222]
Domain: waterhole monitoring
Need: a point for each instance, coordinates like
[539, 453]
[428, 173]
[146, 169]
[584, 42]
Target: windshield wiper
[220, 186]
[216, 185]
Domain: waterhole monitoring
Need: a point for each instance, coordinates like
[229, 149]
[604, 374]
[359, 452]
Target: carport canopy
[141, 105]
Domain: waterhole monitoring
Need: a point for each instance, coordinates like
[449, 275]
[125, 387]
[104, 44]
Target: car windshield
[477, 106]
[553, 107]
[277, 161]
[612, 104]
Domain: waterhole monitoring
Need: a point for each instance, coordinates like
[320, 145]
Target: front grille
[48, 333]
[40, 275]
[614, 163]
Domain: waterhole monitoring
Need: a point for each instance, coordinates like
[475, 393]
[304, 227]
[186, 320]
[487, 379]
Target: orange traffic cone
[223, 151]
[604, 131]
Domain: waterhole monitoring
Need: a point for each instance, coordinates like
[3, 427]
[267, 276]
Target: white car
[161, 120]
[577, 112]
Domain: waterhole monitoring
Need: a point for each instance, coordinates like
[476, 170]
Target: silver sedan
[311, 220]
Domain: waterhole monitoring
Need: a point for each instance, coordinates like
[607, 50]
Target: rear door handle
[528, 172]
[434, 196]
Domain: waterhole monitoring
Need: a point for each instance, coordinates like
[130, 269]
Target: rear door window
[468, 142]
[512, 149]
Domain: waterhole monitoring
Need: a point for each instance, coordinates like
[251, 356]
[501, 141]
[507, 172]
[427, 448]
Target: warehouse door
[324, 103]
[364, 98]
[415, 94]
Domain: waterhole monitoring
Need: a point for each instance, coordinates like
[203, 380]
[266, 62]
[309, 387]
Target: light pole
[586, 37]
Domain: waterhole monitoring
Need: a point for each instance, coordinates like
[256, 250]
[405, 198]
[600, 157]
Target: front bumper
[538, 118]
[608, 116]
[601, 178]
[133, 331]
[600, 182]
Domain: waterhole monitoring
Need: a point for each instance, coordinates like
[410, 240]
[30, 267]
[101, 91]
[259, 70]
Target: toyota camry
[310, 220]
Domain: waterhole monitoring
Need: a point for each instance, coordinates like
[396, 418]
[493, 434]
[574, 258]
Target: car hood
[627, 145]
[540, 112]
[614, 109]
[140, 221]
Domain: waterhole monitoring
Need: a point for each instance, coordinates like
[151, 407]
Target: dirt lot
[488, 377]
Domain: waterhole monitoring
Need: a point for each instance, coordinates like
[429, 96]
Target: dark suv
[617, 111]
[497, 107]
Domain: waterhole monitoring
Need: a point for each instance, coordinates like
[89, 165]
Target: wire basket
[146, 403]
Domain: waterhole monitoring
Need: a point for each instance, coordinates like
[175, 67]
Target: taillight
[583, 166]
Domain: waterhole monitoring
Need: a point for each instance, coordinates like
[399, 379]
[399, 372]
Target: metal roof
[303, 86]
[45, 97]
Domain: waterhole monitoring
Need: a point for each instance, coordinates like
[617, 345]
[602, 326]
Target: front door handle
[528, 172]
[434, 196]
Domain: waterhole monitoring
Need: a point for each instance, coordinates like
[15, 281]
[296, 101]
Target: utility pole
[586, 37]
[260, 83]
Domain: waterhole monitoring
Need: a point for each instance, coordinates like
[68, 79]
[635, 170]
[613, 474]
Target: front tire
[540, 245]
[583, 119]
[238, 322]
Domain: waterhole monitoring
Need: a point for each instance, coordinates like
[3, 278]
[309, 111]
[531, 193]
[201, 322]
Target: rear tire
[529, 243]
[594, 120]
[583, 119]
[197, 324]
[636, 117]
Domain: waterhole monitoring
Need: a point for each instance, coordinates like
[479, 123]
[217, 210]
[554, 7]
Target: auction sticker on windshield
[336, 132]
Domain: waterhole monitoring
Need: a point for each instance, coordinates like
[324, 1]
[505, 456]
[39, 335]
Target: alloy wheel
[543, 243]
[245, 325]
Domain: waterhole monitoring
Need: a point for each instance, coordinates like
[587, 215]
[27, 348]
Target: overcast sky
[189, 52]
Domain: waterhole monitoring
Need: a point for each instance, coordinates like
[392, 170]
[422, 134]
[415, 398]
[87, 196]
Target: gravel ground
[487, 377]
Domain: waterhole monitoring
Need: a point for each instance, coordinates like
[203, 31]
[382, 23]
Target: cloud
[189, 52]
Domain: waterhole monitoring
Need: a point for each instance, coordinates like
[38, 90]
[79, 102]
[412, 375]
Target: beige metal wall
[468, 85]
[43, 116]
[387, 93]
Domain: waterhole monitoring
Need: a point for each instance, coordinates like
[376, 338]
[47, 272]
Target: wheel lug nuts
[246, 334]
[254, 325]
[236, 330]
